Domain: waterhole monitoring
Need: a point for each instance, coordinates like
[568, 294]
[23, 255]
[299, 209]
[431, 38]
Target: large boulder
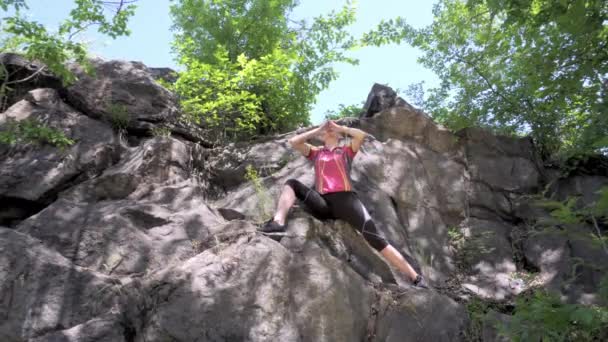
[254, 289]
[42, 291]
[24, 75]
[488, 258]
[123, 237]
[160, 160]
[35, 174]
[107, 328]
[415, 315]
[161, 231]
[381, 97]
[122, 91]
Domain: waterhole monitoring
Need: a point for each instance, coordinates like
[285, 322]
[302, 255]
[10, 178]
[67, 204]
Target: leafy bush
[161, 131]
[119, 116]
[248, 70]
[544, 317]
[344, 111]
[54, 49]
[264, 201]
[33, 131]
[565, 212]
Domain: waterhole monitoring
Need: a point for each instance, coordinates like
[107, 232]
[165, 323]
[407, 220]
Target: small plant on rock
[33, 131]
[542, 316]
[161, 131]
[264, 200]
[119, 116]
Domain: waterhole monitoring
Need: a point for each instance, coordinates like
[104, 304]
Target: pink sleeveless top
[332, 168]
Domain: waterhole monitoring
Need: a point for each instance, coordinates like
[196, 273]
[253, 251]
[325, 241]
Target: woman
[333, 197]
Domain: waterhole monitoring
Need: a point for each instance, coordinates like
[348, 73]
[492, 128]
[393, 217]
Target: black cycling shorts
[343, 205]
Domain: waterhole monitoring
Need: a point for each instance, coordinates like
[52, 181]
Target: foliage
[469, 247]
[477, 310]
[534, 66]
[603, 290]
[33, 131]
[544, 317]
[119, 116]
[264, 201]
[567, 212]
[344, 111]
[455, 235]
[54, 49]
[249, 72]
[161, 131]
[234, 95]
[32, 40]
[563, 212]
[240, 26]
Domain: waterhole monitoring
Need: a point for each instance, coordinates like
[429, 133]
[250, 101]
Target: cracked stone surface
[154, 238]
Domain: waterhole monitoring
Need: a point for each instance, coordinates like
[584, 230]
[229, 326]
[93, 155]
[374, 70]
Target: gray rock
[29, 74]
[409, 123]
[122, 88]
[102, 329]
[161, 160]
[125, 236]
[489, 258]
[41, 291]
[166, 74]
[38, 173]
[585, 187]
[162, 233]
[254, 289]
[380, 97]
[492, 324]
[419, 315]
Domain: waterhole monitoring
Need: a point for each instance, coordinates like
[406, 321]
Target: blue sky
[394, 65]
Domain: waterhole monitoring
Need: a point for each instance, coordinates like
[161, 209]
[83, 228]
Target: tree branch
[599, 233]
[27, 78]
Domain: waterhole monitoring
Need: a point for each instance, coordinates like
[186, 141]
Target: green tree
[344, 111]
[249, 69]
[525, 66]
[54, 49]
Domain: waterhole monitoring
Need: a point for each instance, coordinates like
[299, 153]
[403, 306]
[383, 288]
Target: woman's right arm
[299, 141]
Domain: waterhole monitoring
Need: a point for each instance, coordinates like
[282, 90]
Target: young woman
[333, 196]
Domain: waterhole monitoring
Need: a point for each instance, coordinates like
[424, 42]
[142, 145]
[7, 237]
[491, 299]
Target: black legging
[343, 205]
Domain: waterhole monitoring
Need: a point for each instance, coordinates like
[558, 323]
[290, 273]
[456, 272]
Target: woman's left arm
[357, 135]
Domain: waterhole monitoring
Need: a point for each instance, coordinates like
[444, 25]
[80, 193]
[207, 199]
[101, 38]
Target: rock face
[24, 75]
[153, 238]
[382, 97]
[31, 176]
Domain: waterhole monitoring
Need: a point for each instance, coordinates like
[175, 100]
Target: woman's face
[330, 136]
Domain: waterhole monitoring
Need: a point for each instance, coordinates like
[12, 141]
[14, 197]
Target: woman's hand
[332, 126]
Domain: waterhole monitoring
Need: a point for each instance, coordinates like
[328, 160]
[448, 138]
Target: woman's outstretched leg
[348, 207]
[396, 259]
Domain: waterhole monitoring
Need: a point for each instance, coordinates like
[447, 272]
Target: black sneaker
[420, 282]
[272, 226]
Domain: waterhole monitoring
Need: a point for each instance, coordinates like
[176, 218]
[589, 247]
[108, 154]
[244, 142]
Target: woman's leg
[286, 200]
[348, 207]
[396, 259]
[309, 197]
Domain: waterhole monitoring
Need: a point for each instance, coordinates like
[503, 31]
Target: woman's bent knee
[293, 183]
[377, 242]
[371, 235]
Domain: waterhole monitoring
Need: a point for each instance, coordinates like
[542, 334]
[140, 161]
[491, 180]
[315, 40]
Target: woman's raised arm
[357, 135]
[299, 141]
